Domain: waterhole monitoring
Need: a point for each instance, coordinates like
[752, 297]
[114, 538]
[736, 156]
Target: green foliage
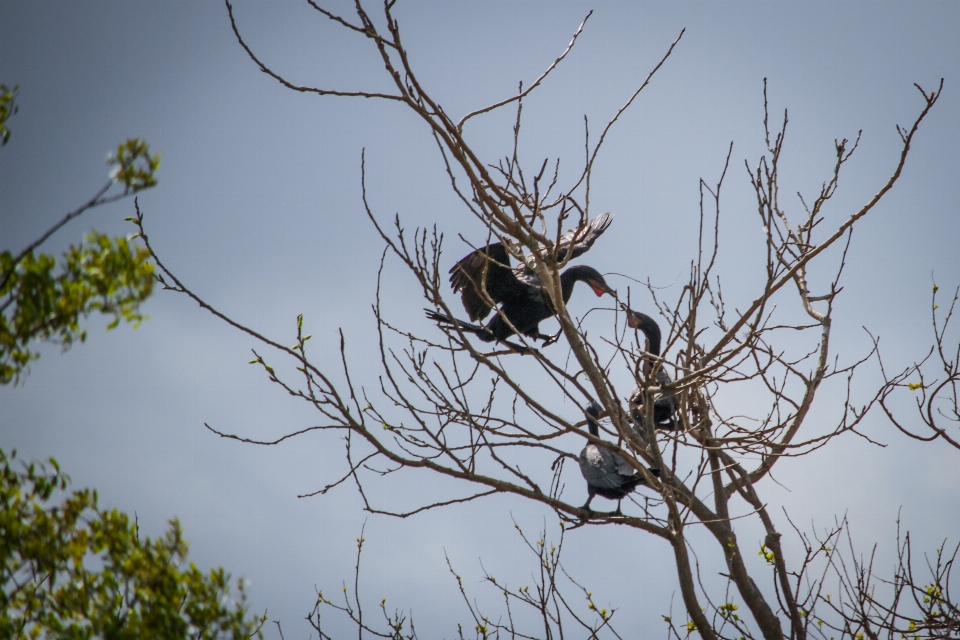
[8, 107]
[134, 166]
[728, 611]
[767, 555]
[72, 570]
[40, 302]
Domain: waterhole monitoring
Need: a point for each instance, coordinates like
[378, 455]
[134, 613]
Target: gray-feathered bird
[606, 473]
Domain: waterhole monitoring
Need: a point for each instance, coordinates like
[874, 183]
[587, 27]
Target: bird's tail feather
[482, 332]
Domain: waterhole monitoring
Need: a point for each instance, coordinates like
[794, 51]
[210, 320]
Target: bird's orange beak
[599, 288]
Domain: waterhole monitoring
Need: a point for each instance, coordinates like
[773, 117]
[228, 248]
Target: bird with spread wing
[485, 278]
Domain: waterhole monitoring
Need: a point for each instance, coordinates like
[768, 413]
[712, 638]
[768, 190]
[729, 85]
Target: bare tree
[490, 418]
[933, 379]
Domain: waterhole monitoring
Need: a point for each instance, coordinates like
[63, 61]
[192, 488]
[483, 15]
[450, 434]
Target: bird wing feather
[600, 468]
[623, 467]
[664, 403]
[581, 243]
[486, 269]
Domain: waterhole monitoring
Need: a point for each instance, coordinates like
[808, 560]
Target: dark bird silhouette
[665, 403]
[486, 278]
[606, 473]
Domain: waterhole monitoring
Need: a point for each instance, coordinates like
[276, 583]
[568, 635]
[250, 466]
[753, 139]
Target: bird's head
[646, 324]
[593, 278]
[600, 287]
[593, 411]
[637, 320]
[583, 273]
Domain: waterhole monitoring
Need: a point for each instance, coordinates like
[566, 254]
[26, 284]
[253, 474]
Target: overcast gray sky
[258, 210]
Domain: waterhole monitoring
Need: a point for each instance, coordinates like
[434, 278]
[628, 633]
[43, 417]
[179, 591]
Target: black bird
[519, 292]
[606, 473]
[665, 403]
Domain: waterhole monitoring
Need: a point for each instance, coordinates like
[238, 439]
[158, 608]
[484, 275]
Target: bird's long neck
[571, 276]
[650, 328]
[593, 419]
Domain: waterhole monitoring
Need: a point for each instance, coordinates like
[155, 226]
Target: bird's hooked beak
[600, 287]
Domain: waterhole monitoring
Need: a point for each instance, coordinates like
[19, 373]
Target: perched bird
[606, 473]
[485, 278]
[665, 403]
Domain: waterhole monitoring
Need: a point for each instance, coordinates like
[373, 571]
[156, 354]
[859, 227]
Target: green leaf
[71, 569]
[8, 108]
[44, 301]
[134, 165]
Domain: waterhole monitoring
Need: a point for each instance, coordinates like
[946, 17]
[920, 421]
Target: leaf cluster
[8, 107]
[134, 165]
[71, 569]
[38, 300]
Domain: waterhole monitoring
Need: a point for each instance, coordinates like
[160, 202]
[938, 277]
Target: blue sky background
[259, 211]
